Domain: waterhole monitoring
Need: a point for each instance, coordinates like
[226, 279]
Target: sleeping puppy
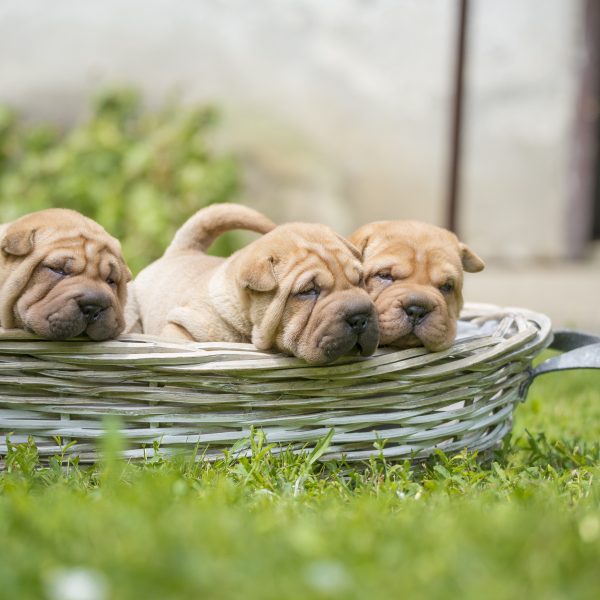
[414, 274]
[61, 275]
[297, 289]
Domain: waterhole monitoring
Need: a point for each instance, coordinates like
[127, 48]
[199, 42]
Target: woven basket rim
[211, 395]
[471, 310]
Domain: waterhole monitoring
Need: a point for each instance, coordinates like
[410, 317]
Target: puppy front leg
[173, 330]
[133, 322]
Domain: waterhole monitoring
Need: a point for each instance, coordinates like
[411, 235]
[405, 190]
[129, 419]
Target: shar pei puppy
[61, 275]
[414, 274]
[297, 289]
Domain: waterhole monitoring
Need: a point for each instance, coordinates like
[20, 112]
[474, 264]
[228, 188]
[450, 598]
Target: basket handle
[580, 351]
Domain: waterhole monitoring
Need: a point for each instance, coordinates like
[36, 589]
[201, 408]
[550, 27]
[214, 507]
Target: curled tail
[203, 228]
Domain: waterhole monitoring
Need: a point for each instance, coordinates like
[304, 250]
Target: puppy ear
[353, 249]
[360, 239]
[470, 261]
[18, 242]
[127, 277]
[258, 275]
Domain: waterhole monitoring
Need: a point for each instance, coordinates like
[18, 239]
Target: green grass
[526, 524]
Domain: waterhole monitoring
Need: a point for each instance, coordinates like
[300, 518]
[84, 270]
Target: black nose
[91, 311]
[416, 312]
[358, 322]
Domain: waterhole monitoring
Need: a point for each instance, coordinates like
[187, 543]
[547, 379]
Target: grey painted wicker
[209, 396]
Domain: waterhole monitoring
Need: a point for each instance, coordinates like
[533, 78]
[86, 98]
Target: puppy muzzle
[94, 314]
[413, 321]
[357, 330]
[365, 327]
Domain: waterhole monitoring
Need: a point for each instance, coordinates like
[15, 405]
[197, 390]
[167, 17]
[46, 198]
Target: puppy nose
[416, 312]
[358, 322]
[91, 311]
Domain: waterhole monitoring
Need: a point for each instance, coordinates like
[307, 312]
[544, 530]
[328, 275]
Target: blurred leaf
[139, 173]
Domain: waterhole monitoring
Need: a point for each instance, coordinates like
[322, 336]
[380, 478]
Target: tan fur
[407, 264]
[259, 294]
[54, 267]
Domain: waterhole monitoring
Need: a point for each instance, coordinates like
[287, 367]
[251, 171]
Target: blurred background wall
[344, 111]
[338, 109]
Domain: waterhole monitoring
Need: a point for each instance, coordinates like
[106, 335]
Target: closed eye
[308, 293]
[57, 270]
[384, 276]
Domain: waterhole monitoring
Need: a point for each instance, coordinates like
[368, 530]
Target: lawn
[525, 525]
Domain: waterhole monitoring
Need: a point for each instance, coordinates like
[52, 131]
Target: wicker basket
[209, 396]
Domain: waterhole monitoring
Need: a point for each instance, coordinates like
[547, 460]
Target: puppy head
[302, 291]
[61, 275]
[414, 274]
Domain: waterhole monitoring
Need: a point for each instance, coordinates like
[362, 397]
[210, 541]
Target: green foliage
[283, 525]
[139, 173]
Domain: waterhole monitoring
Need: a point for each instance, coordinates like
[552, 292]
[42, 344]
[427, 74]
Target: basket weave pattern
[208, 396]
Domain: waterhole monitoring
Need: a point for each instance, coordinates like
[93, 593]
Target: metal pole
[452, 202]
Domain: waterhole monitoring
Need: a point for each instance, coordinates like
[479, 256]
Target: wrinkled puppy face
[304, 294]
[73, 278]
[414, 274]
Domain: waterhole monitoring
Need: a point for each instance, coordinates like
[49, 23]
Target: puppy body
[61, 274]
[414, 274]
[295, 289]
[173, 298]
